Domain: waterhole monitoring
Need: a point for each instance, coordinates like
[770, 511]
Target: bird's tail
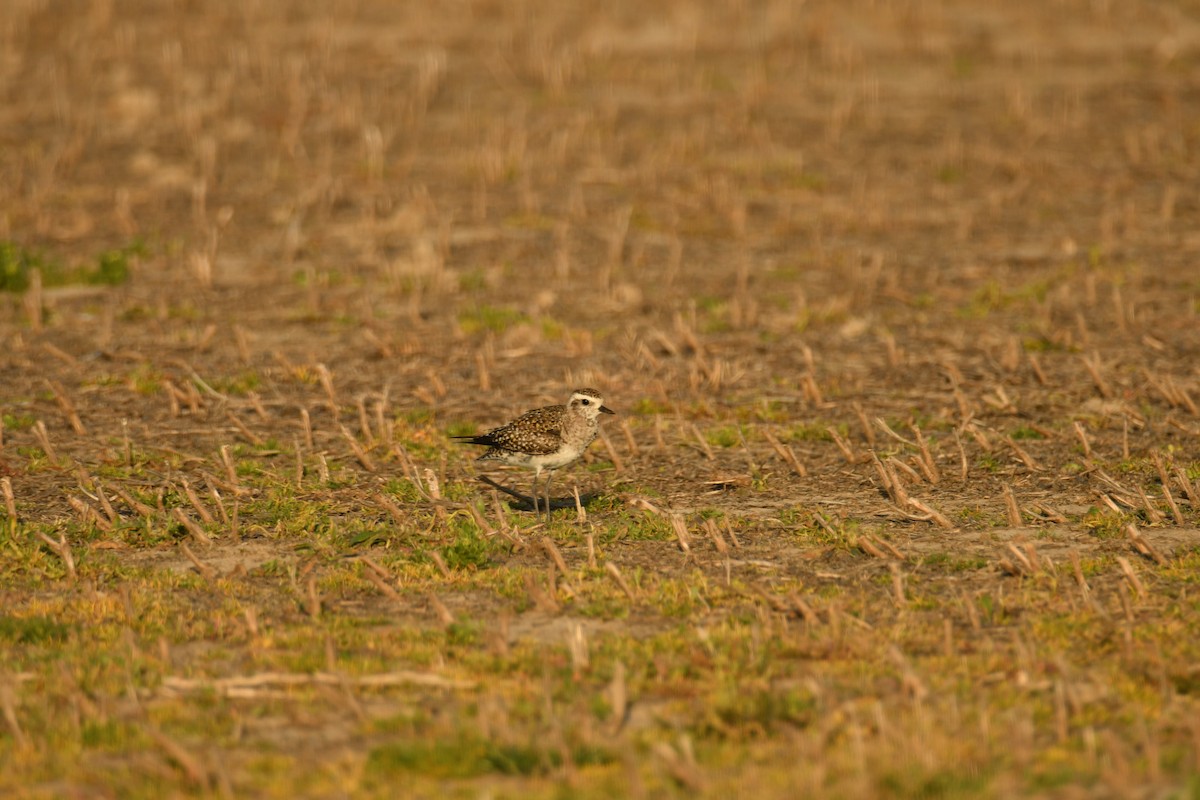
[483, 440]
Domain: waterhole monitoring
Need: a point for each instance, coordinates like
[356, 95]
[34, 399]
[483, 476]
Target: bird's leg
[549, 475]
[533, 493]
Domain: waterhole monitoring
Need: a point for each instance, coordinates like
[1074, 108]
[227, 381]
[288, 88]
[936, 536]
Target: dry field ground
[898, 304]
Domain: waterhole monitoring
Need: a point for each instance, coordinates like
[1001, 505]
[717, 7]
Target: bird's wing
[536, 432]
[535, 442]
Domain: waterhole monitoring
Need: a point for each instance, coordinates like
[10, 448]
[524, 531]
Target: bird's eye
[586, 402]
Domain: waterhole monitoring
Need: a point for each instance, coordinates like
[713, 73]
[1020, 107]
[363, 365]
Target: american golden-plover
[545, 439]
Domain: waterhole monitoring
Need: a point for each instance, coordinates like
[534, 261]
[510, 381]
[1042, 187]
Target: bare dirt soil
[898, 304]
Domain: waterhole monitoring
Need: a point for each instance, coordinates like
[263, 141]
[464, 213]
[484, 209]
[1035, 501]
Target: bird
[545, 439]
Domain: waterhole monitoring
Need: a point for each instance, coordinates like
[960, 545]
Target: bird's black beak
[606, 410]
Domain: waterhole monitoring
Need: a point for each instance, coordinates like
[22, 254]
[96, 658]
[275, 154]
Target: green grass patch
[490, 318]
[469, 756]
[109, 268]
[647, 407]
[727, 436]
[469, 550]
[32, 630]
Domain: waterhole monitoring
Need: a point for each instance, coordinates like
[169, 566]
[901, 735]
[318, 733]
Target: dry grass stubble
[897, 304]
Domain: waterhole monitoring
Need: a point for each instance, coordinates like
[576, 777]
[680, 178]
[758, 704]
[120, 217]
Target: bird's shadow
[523, 502]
